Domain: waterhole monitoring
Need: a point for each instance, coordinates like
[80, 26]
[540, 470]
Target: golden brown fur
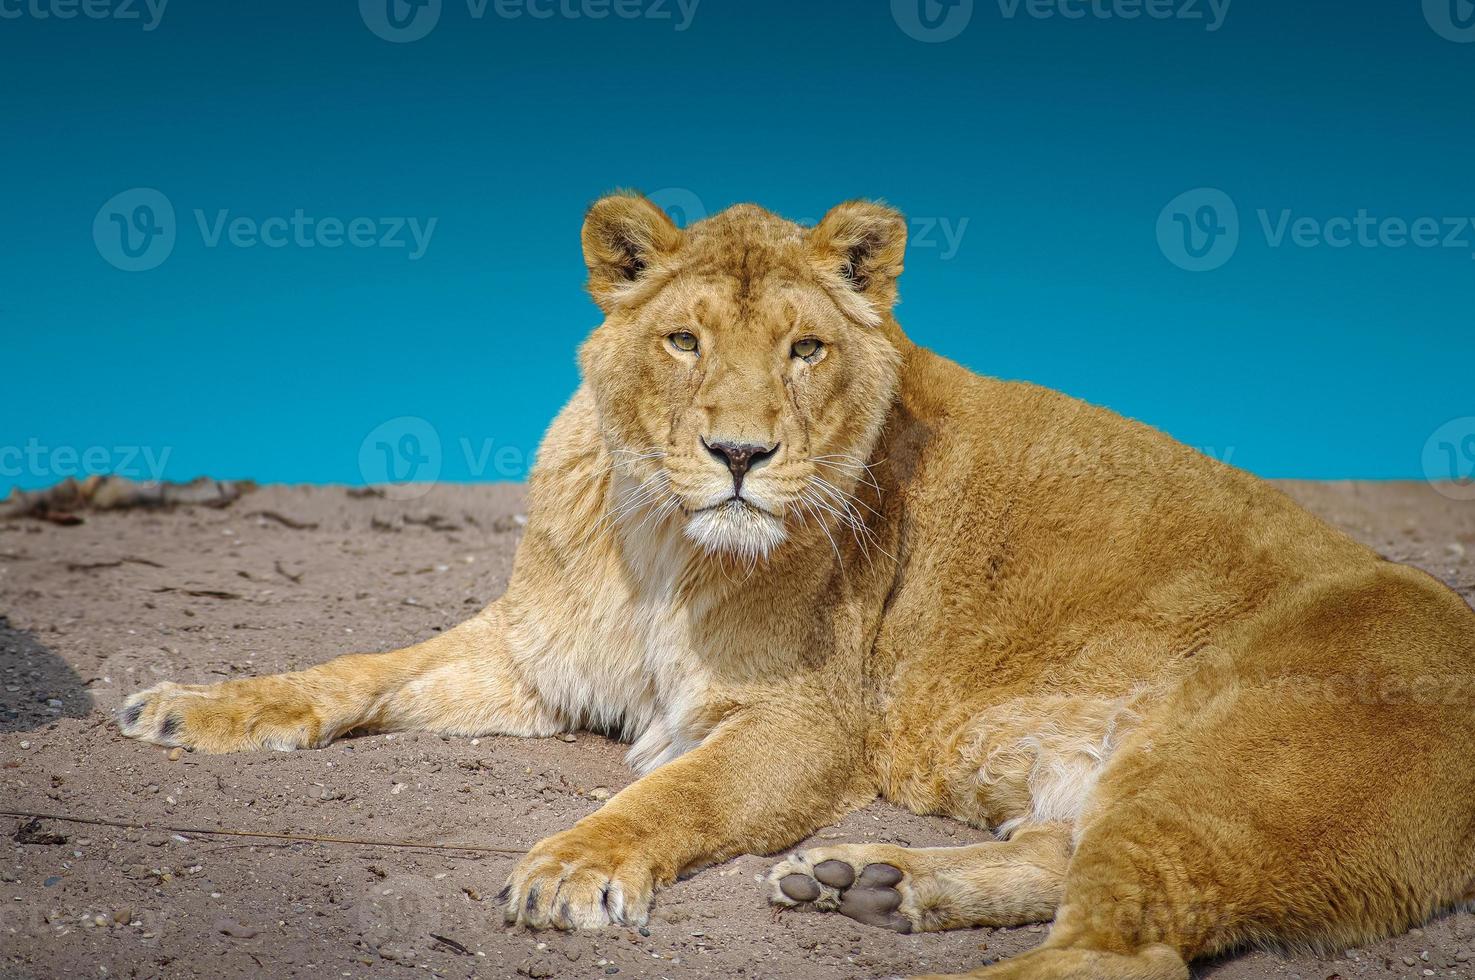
[1197, 716]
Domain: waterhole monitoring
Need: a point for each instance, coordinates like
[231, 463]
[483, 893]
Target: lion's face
[741, 374]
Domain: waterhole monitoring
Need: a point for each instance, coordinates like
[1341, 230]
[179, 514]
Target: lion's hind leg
[928, 889]
[1326, 812]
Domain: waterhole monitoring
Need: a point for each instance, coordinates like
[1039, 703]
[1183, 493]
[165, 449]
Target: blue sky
[350, 215]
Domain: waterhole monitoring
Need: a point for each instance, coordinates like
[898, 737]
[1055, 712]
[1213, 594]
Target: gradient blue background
[1057, 141]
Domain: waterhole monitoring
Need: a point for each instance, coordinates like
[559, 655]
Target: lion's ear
[860, 247]
[624, 234]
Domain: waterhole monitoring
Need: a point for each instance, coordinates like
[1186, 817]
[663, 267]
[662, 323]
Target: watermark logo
[683, 205]
[402, 457]
[1453, 20]
[147, 12]
[1199, 229]
[932, 21]
[135, 230]
[1449, 459]
[400, 21]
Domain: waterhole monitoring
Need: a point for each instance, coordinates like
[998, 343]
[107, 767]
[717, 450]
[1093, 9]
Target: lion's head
[742, 374]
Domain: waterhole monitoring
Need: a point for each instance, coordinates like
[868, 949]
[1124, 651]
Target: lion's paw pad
[872, 895]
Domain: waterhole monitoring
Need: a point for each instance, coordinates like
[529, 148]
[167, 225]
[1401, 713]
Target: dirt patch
[290, 576]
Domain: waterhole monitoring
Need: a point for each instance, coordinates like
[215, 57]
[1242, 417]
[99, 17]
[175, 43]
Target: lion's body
[1201, 716]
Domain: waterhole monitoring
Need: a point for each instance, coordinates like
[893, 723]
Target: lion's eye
[683, 341]
[808, 349]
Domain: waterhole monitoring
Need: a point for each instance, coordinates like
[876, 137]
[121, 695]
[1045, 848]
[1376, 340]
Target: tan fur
[1202, 717]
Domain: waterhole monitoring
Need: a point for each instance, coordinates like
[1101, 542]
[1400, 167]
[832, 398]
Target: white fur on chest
[619, 655]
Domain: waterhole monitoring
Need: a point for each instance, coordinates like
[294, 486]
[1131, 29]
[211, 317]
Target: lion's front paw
[230, 717]
[573, 880]
[868, 883]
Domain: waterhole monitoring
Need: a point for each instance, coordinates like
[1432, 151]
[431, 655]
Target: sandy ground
[95, 611]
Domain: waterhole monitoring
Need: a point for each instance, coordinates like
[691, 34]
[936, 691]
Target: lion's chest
[622, 659]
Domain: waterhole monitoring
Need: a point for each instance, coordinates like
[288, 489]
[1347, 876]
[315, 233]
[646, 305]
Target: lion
[797, 562]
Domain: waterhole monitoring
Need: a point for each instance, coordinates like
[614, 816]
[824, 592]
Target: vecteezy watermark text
[301, 230]
[1365, 230]
[943, 234]
[36, 459]
[137, 230]
[1210, 12]
[403, 21]
[147, 12]
[935, 21]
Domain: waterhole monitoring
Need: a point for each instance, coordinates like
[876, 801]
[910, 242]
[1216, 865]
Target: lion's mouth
[736, 505]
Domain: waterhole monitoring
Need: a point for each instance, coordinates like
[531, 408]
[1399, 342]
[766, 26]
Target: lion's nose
[739, 457]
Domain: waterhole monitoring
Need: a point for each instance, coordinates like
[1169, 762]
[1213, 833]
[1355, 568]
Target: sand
[95, 611]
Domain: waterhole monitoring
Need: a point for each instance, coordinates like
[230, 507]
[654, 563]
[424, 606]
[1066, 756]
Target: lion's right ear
[624, 234]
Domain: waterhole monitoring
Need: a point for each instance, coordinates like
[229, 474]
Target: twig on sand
[201, 593]
[284, 520]
[263, 835]
[78, 566]
[434, 522]
[294, 579]
[451, 944]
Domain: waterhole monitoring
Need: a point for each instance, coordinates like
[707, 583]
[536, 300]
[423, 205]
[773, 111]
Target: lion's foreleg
[461, 682]
[760, 782]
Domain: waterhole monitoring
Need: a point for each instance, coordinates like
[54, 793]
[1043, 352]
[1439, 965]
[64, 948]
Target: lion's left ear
[859, 247]
[624, 234]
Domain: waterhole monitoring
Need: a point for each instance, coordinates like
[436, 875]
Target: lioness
[799, 561]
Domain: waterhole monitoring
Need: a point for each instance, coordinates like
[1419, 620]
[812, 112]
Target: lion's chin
[737, 529]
